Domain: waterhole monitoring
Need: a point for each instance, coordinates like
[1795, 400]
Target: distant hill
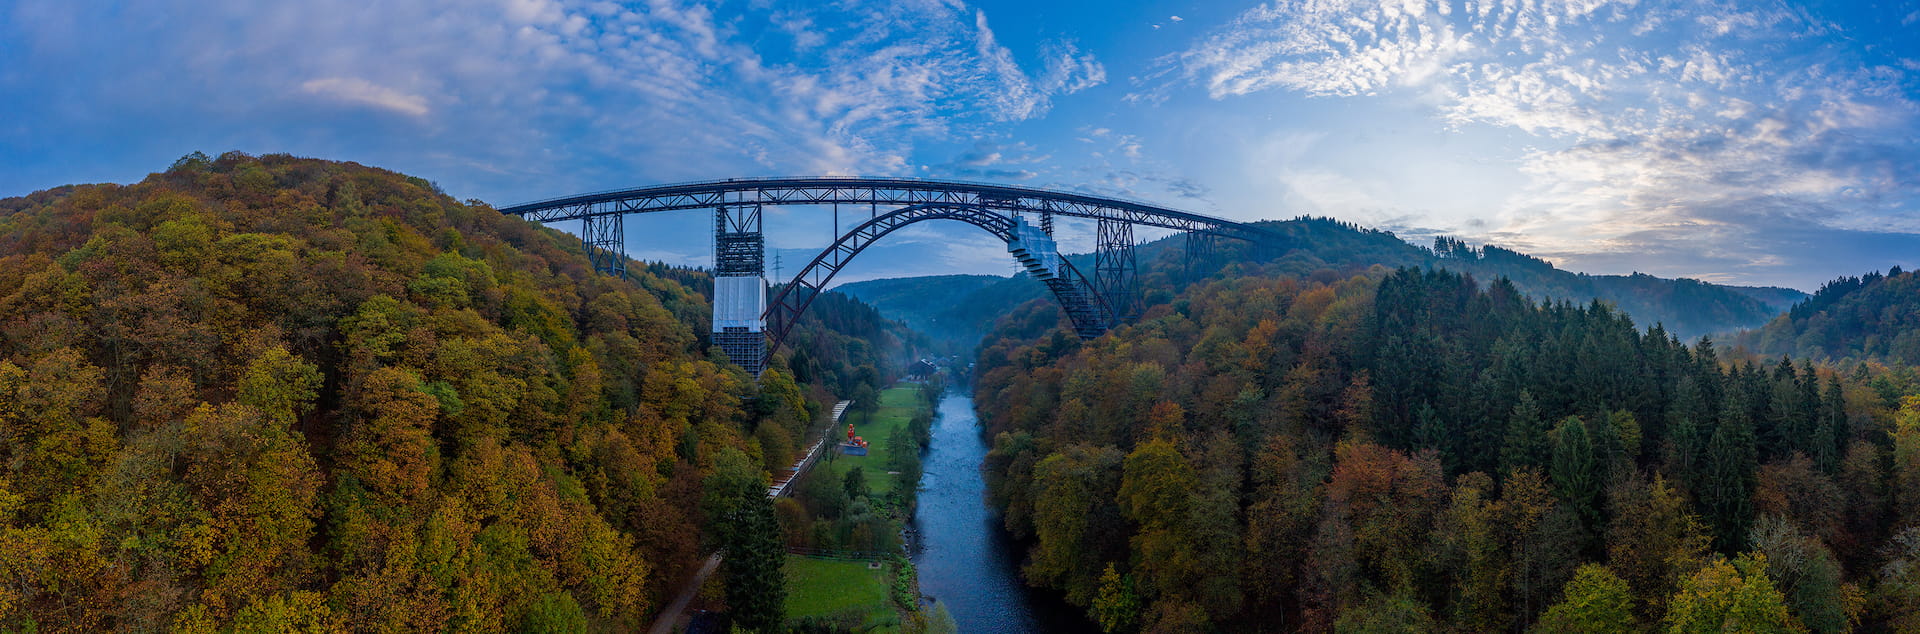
[961, 308]
[1773, 296]
[908, 294]
[954, 310]
[1686, 307]
[1872, 316]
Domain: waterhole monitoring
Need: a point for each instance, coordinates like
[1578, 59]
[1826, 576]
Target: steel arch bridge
[748, 327]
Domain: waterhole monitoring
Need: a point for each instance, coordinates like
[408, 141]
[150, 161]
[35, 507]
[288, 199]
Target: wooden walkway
[672, 617]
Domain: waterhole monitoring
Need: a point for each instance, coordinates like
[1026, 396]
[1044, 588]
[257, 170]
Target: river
[964, 558]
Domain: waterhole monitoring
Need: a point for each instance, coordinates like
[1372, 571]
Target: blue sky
[1745, 142]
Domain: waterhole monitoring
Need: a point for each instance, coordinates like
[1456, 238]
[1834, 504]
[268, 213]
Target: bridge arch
[1084, 305]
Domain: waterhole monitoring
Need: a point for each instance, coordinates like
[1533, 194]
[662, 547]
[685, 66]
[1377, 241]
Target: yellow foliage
[1730, 597]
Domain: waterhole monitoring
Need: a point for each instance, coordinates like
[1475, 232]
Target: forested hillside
[845, 349]
[1412, 450]
[1872, 316]
[1685, 307]
[275, 393]
[955, 310]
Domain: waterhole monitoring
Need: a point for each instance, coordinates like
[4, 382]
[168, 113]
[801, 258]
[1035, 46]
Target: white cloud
[1019, 96]
[533, 11]
[587, 92]
[1657, 124]
[363, 92]
[1069, 70]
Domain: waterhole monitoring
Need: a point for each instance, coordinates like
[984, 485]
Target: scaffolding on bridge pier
[739, 286]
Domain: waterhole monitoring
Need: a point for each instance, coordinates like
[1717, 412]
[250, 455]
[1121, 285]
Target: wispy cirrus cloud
[1662, 131]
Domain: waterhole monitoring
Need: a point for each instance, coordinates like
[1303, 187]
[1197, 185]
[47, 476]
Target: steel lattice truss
[1083, 304]
[877, 192]
[605, 240]
[1114, 267]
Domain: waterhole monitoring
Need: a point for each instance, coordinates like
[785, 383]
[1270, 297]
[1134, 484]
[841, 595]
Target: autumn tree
[1730, 597]
[1543, 538]
[279, 385]
[1287, 496]
[1654, 540]
[1389, 499]
[390, 450]
[1470, 546]
[1896, 594]
[1906, 462]
[1077, 526]
[1157, 494]
[1808, 575]
[1595, 601]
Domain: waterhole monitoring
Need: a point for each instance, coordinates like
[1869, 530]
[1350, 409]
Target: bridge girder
[876, 191]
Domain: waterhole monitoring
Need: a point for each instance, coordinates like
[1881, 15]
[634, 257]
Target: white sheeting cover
[738, 302]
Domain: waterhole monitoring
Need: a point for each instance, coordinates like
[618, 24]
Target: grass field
[848, 592]
[896, 410]
[826, 588]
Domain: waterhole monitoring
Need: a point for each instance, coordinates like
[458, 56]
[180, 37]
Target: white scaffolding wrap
[1035, 250]
[739, 302]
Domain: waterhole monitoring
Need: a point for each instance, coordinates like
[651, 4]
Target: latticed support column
[739, 290]
[1200, 255]
[738, 248]
[605, 240]
[1113, 266]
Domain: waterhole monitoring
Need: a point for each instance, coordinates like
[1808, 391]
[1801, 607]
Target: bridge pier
[739, 290]
[605, 239]
[1114, 270]
[1199, 255]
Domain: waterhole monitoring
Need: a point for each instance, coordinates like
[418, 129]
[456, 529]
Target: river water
[964, 558]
